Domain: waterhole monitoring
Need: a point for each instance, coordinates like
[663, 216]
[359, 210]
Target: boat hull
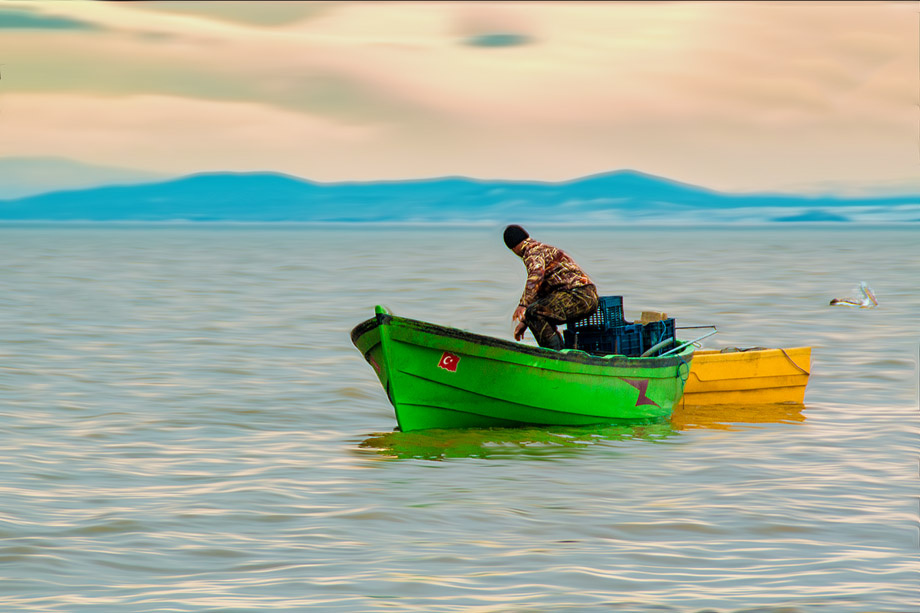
[440, 377]
[758, 376]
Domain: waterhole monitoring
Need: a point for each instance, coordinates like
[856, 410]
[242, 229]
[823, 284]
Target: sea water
[186, 426]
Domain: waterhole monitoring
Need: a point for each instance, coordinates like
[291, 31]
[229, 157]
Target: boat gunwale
[745, 354]
[575, 356]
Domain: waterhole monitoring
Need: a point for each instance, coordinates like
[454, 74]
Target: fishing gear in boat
[682, 345]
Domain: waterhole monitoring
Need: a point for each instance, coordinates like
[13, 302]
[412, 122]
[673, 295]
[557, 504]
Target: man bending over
[557, 291]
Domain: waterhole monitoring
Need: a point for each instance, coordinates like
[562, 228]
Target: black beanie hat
[514, 235]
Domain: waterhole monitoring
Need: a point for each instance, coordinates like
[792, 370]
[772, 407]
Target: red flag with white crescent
[449, 361]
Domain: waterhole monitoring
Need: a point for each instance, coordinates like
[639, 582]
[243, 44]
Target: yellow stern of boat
[757, 376]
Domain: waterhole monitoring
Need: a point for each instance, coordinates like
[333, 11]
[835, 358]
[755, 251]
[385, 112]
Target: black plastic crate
[656, 331]
[624, 340]
[609, 315]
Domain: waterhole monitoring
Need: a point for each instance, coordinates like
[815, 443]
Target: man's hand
[521, 326]
[519, 331]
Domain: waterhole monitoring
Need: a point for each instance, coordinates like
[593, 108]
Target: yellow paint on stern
[756, 376]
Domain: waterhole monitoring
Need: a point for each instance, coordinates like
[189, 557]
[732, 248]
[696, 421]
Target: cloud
[262, 13]
[498, 39]
[729, 95]
[168, 132]
[26, 19]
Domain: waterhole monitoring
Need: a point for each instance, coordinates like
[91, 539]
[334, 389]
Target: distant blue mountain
[623, 196]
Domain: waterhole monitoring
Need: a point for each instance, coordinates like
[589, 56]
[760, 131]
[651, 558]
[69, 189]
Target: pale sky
[734, 96]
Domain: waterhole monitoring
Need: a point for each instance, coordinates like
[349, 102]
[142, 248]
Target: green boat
[441, 377]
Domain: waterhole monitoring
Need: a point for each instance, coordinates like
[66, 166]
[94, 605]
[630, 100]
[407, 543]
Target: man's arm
[535, 263]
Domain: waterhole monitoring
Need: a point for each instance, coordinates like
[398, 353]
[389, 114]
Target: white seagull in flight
[867, 301]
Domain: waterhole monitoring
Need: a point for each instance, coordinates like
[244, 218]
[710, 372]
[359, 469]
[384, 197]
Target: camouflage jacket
[549, 270]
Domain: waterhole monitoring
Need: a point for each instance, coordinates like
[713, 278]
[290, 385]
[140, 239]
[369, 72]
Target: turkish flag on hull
[449, 361]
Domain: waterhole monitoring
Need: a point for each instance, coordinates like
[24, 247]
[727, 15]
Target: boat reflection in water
[734, 416]
[556, 441]
[559, 442]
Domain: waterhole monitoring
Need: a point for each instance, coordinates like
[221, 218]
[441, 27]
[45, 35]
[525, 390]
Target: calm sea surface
[187, 427]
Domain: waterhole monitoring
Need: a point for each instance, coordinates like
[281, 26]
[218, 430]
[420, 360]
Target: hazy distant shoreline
[616, 198]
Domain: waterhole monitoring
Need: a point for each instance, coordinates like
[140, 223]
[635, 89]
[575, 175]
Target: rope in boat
[793, 362]
[683, 362]
[745, 349]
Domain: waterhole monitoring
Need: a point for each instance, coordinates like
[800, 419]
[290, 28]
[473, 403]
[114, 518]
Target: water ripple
[190, 430]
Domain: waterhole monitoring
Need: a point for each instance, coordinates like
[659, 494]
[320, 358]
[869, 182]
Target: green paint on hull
[441, 377]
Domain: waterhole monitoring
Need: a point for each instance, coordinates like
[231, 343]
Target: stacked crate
[655, 332]
[606, 331]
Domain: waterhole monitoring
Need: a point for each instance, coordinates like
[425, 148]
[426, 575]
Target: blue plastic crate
[609, 315]
[656, 331]
[624, 340]
[629, 340]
